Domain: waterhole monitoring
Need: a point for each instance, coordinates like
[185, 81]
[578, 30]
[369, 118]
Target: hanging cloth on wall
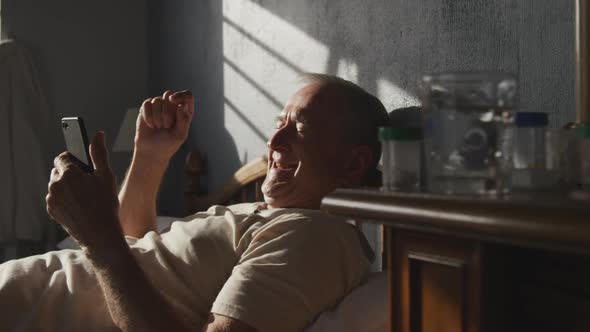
[24, 117]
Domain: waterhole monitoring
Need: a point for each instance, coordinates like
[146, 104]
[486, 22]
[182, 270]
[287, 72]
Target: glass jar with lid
[531, 152]
[401, 158]
[466, 117]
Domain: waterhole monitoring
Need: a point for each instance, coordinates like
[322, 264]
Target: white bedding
[363, 310]
[162, 223]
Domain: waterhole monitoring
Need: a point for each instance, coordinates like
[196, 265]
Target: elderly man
[269, 266]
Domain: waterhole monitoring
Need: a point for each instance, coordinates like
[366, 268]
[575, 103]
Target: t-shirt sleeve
[293, 269]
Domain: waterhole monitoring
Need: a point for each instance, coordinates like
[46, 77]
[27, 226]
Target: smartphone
[77, 141]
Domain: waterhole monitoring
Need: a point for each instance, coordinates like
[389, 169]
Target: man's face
[307, 158]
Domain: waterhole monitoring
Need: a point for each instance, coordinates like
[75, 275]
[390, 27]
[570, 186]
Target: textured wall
[242, 57]
[186, 53]
[92, 57]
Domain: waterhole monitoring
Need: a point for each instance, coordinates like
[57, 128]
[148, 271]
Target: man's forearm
[134, 304]
[138, 195]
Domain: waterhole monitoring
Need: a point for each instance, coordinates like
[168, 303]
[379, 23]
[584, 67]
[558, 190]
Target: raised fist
[163, 124]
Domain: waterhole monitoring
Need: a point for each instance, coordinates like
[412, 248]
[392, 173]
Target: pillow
[362, 310]
[162, 223]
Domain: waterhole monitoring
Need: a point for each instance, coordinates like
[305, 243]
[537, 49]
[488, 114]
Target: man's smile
[283, 171]
[281, 163]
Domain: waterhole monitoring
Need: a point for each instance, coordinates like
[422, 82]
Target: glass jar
[466, 136]
[533, 152]
[401, 158]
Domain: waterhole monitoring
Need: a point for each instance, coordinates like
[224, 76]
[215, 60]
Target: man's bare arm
[134, 304]
[162, 126]
[138, 195]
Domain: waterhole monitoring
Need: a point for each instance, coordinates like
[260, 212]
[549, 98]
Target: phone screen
[77, 141]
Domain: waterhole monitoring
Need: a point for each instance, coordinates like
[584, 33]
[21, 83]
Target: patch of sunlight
[251, 103]
[393, 96]
[348, 70]
[249, 140]
[270, 50]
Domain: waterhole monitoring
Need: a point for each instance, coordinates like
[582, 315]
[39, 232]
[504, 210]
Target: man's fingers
[63, 162]
[163, 112]
[184, 112]
[49, 205]
[157, 112]
[168, 118]
[53, 176]
[183, 121]
[181, 95]
[146, 112]
[99, 153]
[168, 115]
[167, 94]
[168, 110]
[184, 98]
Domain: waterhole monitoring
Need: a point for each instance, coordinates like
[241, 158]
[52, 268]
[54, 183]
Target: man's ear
[359, 160]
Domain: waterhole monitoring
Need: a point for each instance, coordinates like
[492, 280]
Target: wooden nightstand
[480, 264]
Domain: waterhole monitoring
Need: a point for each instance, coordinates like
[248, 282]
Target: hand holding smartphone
[77, 141]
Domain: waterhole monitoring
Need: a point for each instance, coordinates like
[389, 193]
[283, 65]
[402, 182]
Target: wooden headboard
[243, 186]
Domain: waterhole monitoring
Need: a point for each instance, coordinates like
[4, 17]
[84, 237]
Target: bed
[363, 310]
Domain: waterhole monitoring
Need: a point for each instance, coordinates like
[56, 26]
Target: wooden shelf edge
[555, 227]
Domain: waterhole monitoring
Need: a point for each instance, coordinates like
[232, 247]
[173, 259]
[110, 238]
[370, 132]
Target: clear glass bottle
[530, 152]
[401, 158]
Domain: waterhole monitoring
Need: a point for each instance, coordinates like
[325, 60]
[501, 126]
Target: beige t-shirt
[274, 270]
[292, 264]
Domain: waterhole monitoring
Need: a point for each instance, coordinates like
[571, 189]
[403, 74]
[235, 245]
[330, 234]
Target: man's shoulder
[311, 214]
[304, 219]
[245, 208]
[220, 210]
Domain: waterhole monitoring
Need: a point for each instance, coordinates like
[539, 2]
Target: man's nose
[280, 140]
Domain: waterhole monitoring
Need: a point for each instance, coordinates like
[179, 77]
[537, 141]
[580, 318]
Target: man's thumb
[99, 153]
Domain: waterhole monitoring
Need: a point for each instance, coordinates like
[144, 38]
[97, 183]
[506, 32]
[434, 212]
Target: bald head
[362, 113]
[325, 138]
